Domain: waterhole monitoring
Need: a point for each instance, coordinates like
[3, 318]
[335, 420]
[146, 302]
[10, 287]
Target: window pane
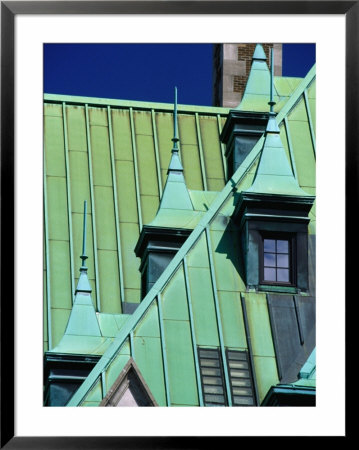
[269, 274]
[269, 245]
[283, 275]
[282, 261]
[269, 259]
[282, 246]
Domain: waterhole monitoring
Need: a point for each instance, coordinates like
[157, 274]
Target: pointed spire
[274, 174]
[271, 102]
[259, 53]
[82, 321]
[175, 163]
[175, 193]
[257, 90]
[83, 284]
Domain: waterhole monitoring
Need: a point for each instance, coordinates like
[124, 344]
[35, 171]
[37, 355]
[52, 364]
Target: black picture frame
[9, 10]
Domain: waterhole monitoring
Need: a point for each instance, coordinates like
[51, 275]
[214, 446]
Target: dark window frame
[291, 238]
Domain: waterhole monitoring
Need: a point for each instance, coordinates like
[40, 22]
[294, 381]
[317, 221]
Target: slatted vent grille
[212, 377]
[240, 378]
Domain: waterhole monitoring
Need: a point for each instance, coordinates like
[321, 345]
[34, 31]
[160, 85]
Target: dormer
[247, 123]
[160, 240]
[273, 218]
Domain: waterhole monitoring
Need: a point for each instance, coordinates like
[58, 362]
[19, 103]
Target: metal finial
[271, 102]
[83, 256]
[175, 134]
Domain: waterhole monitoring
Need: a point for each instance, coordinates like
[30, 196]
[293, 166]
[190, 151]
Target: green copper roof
[82, 321]
[274, 174]
[116, 154]
[257, 91]
[175, 194]
[196, 293]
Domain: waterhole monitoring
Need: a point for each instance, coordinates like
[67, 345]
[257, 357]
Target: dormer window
[277, 260]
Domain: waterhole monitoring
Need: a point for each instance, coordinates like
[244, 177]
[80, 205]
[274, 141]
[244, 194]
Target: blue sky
[146, 72]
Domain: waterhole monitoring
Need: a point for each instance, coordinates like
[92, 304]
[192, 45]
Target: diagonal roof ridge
[162, 281]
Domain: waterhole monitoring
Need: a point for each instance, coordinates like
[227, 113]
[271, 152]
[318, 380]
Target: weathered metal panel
[146, 165]
[130, 235]
[203, 306]
[126, 192]
[266, 374]
[164, 129]
[53, 109]
[110, 283]
[181, 369]
[190, 151]
[122, 141]
[226, 253]
[292, 325]
[283, 137]
[174, 298]
[115, 367]
[312, 107]
[198, 255]
[100, 149]
[57, 209]
[148, 326]
[95, 395]
[232, 318]
[54, 146]
[149, 207]
[98, 116]
[302, 145]
[60, 281]
[105, 218]
[59, 318]
[80, 185]
[211, 150]
[149, 360]
[76, 128]
[261, 336]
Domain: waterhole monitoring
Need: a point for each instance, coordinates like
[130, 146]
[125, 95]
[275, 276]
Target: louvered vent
[241, 378]
[212, 377]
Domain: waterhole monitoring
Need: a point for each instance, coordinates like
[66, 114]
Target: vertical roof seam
[68, 198]
[134, 154]
[93, 215]
[115, 199]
